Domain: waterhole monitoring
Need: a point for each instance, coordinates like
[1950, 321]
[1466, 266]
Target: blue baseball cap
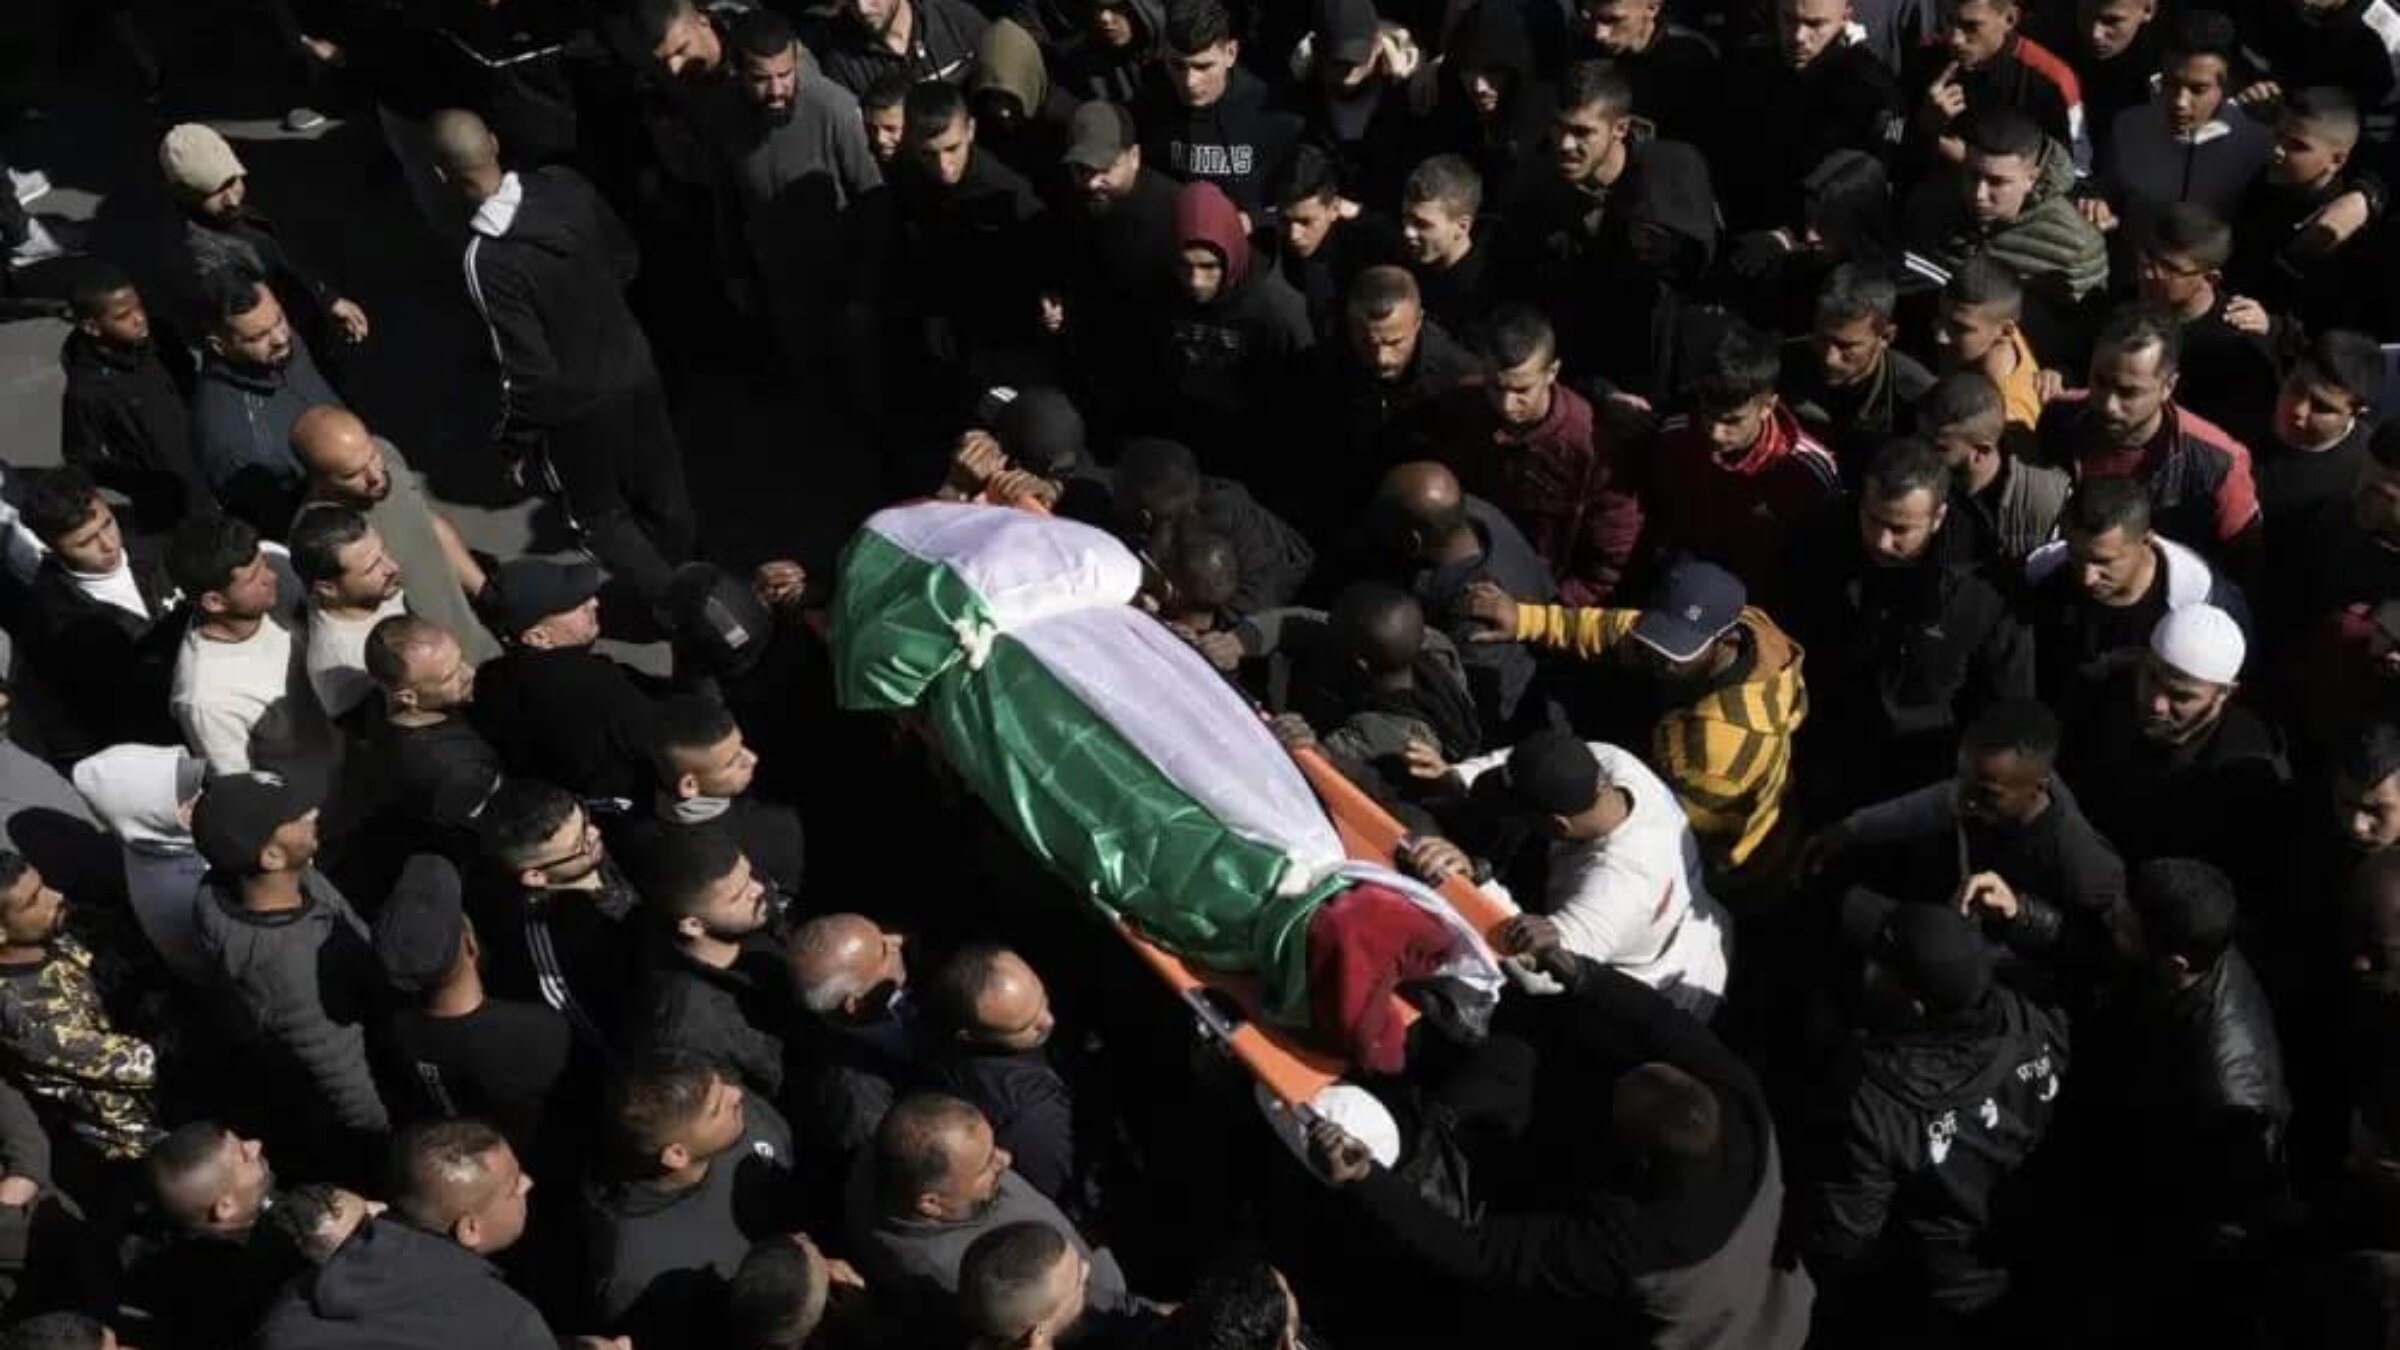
[1695, 604]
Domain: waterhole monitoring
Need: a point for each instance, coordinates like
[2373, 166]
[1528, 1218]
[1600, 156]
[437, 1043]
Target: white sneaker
[303, 119]
[30, 185]
[39, 246]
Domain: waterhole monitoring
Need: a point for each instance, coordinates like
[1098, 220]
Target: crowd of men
[1875, 522]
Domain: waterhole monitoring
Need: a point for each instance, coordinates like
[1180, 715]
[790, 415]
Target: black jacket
[1272, 557]
[394, 1286]
[1110, 267]
[111, 669]
[1854, 421]
[2284, 270]
[571, 950]
[2220, 797]
[125, 420]
[1031, 1108]
[660, 1260]
[1238, 143]
[733, 1017]
[548, 273]
[969, 255]
[1492, 38]
[1675, 80]
[941, 47]
[202, 1292]
[1933, 1125]
[571, 716]
[1361, 425]
[1778, 123]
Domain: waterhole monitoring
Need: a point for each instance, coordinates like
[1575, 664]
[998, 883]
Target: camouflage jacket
[60, 1045]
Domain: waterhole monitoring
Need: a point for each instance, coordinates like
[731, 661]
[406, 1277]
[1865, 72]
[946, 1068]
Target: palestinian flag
[1108, 746]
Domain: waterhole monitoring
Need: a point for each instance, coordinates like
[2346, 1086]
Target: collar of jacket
[268, 382]
[499, 211]
[692, 810]
[1775, 440]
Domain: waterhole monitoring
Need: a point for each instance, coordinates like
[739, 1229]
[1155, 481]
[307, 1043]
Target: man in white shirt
[353, 584]
[1626, 886]
[241, 694]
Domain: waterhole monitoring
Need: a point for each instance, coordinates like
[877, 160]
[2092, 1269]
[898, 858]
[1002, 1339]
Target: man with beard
[2171, 765]
[350, 467]
[353, 584]
[211, 189]
[694, 1171]
[62, 1045]
[209, 1272]
[935, 1181]
[715, 984]
[124, 416]
[256, 379]
[795, 156]
[436, 769]
[1371, 399]
[927, 39]
[1101, 265]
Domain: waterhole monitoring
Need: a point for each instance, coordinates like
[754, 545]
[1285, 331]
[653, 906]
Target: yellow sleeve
[1589, 633]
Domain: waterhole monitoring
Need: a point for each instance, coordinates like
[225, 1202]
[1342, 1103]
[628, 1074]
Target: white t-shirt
[113, 588]
[1638, 900]
[245, 705]
[337, 656]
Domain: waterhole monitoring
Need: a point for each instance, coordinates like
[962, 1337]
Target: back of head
[1986, 283]
[463, 145]
[1159, 476]
[2328, 111]
[652, 1103]
[1379, 624]
[520, 817]
[56, 1331]
[206, 550]
[2187, 909]
[1740, 365]
[442, 1170]
[396, 641]
[1515, 335]
[915, 1146]
[2098, 505]
[1203, 568]
[1967, 401]
[1004, 1280]
[652, 18]
[777, 1296]
[2020, 726]
[1996, 130]
[58, 503]
[2199, 32]
[1240, 1305]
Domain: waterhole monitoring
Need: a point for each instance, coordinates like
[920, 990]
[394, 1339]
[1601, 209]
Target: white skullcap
[2202, 641]
[1353, 1108]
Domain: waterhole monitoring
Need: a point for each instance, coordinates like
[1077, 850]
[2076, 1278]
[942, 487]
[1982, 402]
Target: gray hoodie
[139, 792]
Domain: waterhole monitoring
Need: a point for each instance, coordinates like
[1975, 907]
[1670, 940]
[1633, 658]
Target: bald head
[839, 960]
[344, 461]
[1420, 505]
[465, 152]
[1383, 626]
[326, 431]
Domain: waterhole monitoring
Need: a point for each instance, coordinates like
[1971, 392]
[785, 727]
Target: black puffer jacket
[1935, 1123]
[394, 1286]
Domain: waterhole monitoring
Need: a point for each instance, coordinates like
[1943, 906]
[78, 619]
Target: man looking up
[241, 692]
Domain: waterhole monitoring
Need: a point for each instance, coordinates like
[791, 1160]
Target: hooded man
[1019, 117]
[1231, 332]
[145, 794]
[1353, 73]
[1112, 56]
[1492, 106]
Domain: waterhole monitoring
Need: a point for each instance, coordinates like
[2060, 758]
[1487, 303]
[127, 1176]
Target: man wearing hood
[1492, 105]
[925, 39]
[103, 622]
[144, 794]
[1792, 97]
[1019, 116]
[2007, 201]
[1726, 688]
[695, 1170]
[1231, 333]
[1206, 119]
[1614, 225]
[419, 1276]
[1952, 1089]
[546, 265]
[1113, 54]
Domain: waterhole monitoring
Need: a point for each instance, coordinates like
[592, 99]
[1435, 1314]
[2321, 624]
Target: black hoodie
[394, 1286]
[1238, 142]
[547, 265]
[1089, 69]
[1776, 123]
[660, 1259]
[1492, 39]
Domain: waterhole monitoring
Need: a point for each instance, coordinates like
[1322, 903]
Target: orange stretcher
[1225, 1002]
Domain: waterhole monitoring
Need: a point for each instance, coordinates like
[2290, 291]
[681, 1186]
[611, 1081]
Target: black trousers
[621, 472]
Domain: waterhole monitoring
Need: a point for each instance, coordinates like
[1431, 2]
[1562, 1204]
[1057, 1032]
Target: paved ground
[767, 480]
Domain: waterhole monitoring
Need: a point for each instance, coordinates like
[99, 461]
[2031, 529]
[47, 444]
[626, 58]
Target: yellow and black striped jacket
[1727, 755]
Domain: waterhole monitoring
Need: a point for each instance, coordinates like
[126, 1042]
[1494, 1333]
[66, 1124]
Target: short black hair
[763, 33]
[2349, 361]
[679, 866]
[2199, 32]
[96, 280]
[1195, 26]
[1159, 476]
[1447, 179]
[1596, 83]
[888, 90]
[688, 723]
[183, 1151]
[229, 292]
[1378, 292]
[520, 817]
[2098, 505]
[2328, 108]
[652, 1101]
[777, 1296]
[1740, 365]
[2187, 909]
[58, 503]
[2134, 328]
[950, 995]
[2371, 755]
[1852, 292]
[1905, 465]
[1240, 1305]
[911, 1156]
[1961, 396]
[429, 1155]
[318, 538]
[929, 109]
[2188, 230]
[13, 867]
[651, 19]
[1996, 129]
[1308, 174]
[55, 1331]
[205, 551]
[1514, 335]
[2020, 726]
[1379, 623]
[1984, 282]
[1003, 1272]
